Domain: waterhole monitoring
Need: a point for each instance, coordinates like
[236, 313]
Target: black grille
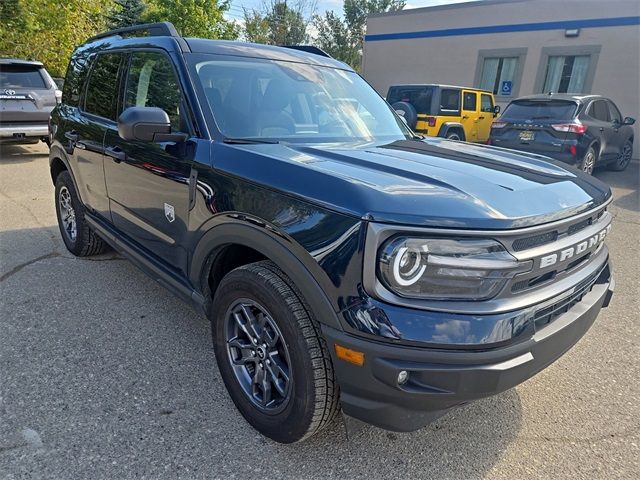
[549, 314]
[534, 241]
[576, 227]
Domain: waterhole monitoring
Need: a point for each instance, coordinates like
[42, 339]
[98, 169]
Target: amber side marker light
[351, 356]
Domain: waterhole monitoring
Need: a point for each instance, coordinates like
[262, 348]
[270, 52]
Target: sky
[236, 10]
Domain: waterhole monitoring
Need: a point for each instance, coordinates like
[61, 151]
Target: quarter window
[102, 90]
[152, 82]
[566, 73]
[486, 103]
[470, 101]
[498, 75]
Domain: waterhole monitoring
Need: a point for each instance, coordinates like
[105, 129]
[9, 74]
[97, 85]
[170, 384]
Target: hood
[435, 182]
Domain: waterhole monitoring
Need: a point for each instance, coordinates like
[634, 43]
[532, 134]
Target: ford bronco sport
[342, 261]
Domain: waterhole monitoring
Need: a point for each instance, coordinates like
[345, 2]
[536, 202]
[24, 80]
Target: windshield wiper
[248, 141]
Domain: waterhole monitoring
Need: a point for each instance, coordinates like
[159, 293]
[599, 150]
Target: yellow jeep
[457, 113]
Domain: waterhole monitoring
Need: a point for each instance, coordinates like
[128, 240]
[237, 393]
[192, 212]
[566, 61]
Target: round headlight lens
[408, 265]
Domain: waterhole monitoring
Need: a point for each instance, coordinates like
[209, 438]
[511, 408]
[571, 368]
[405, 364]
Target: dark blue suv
[582, 130]
[343, 262]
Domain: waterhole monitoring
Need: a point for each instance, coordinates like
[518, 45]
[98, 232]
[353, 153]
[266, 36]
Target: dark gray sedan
[27, 96]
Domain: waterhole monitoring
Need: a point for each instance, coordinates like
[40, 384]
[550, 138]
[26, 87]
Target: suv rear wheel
[76, 234]
[454, 135]
[588, 162]
[272, 358]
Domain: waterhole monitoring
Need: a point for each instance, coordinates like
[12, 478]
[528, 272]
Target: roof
[17, 61]
[441, 85]
[470, 3]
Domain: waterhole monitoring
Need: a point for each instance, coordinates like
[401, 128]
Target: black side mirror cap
[628, 121]
[147, 124]
[496, 109]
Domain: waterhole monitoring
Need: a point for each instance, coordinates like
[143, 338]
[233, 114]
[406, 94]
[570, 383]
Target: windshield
[539, 110]
[284, 101]
[21, 76]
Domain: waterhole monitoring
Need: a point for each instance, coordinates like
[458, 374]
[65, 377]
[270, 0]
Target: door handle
[465, 117]
[116, 154]
[72, 135]
[480, 118]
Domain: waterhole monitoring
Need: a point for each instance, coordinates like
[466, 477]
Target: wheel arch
[448, 126]
[235, 243]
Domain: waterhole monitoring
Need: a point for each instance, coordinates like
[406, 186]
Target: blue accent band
[519, 27]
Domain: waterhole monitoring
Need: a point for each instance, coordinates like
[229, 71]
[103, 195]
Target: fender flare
[275, 246]
[446, 126]
[57, 152]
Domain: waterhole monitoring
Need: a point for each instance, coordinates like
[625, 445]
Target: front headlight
[446, 269]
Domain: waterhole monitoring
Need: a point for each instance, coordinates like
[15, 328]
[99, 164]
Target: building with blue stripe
[512, 47]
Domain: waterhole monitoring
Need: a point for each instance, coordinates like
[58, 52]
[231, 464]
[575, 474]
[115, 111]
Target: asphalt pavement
[104, 374]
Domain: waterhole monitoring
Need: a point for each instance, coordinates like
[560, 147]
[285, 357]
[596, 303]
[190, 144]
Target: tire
[454, 135]
[76, 234]
[588, 162]
[624, 159]
[408, 112]
[308, 401]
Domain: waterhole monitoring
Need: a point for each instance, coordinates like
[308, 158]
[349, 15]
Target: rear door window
[418, 96]
[599, 110]
[470, 101]
[449, 101]
[21, 76]
[614, 113]
[102, 89]
[540, 110]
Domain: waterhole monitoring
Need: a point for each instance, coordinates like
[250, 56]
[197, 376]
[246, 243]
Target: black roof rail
[309, 49]
[160, 29]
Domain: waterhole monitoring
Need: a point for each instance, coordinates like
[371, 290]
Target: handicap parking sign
[505, 88]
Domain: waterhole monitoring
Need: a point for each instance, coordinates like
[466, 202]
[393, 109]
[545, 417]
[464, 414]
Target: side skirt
[147, 263]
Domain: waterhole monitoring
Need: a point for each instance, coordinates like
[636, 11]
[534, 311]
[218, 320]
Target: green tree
[279, 22]
[48, 30]
[125, 13]
[195, 18]
[342, 37]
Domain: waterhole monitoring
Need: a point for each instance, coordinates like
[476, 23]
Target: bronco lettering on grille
[577, 249]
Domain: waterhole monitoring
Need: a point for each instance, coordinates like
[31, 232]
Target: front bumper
[440, 379]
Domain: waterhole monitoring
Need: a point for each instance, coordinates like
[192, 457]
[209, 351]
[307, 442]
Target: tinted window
[76, 76]
[486, 103]
[152, 82]
[21, 76]
[470, 101]
[102, 90]
[419, 97]
[599, 110]
[539, 110]
[296, 102]
[449, 101]
[614, 113]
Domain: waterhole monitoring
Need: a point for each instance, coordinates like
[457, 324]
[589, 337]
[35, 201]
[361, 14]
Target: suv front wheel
[272, 358]
[76, 234]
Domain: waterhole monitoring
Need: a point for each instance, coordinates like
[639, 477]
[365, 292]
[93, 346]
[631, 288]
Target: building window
[498, 75]
[566, 73]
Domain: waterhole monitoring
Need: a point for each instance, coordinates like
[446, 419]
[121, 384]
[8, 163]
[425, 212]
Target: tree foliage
[125, 13]
[279, 22]
[342, 37]
[194, 18]
[48, 30]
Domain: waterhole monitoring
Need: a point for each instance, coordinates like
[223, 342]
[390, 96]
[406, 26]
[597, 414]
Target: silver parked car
[27, 96]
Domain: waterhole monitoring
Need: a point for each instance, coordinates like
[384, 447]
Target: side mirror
[147, 124]
[628, 121]
[496, 109]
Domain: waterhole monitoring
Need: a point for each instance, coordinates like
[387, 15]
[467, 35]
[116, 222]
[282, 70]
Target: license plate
[527, 136]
